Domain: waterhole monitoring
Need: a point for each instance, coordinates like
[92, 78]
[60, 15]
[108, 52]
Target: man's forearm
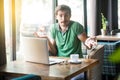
[52, 48]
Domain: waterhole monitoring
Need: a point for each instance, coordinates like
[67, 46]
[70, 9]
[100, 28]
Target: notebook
[36, 50]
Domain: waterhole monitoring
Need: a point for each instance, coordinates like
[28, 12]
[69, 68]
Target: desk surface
[52, 72]
[109, 37]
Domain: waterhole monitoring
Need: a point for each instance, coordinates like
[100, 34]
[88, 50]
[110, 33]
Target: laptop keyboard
[56, 60]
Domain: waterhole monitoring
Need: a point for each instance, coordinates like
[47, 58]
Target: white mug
[74, 57]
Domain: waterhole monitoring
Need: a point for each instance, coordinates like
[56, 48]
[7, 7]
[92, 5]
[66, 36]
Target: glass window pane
[34, 13]
[30, 15]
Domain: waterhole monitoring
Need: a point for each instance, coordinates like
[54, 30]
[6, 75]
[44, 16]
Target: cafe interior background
[23, 17]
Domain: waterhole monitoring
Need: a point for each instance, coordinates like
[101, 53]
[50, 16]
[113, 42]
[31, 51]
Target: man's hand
[40, 35]
[91, 42]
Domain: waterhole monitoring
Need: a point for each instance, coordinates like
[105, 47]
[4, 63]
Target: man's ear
[56, 17]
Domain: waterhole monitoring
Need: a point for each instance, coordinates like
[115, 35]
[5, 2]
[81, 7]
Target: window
[30, 15]
[34, 14]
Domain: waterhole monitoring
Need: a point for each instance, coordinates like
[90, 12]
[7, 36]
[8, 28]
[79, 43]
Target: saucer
[76, 62]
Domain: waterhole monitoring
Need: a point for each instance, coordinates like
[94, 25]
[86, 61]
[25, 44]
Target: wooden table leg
[85, 75]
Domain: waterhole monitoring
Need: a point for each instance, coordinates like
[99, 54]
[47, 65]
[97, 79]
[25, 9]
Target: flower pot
[103, 32]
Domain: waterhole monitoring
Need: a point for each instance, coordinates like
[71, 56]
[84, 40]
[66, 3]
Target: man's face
[63, 18]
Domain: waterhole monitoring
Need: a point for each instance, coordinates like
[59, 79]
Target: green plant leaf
[103, 22]
[115, 56]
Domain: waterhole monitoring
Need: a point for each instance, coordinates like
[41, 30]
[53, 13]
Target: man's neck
[63, 28]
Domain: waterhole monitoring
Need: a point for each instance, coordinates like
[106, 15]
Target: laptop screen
[35, 49]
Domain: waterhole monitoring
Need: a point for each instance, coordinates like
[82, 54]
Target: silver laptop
[36, 50]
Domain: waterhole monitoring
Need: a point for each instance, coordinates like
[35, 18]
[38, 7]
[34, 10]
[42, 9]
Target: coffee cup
[74, 57]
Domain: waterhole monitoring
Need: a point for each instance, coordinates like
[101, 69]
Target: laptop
[36, 50]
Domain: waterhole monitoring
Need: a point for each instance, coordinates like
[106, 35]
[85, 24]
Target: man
[65, 36]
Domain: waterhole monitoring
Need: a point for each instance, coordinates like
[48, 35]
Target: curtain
[114, 14]
[94, 10]
[2, 34]
[110, 11]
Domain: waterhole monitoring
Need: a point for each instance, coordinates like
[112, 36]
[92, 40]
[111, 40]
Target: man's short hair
[63, 8]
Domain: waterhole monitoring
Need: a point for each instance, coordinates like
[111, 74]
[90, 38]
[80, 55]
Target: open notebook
[36, 50]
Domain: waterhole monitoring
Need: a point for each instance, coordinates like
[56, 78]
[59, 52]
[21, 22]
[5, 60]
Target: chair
[28, 77]
[96, 72]
[109, 68]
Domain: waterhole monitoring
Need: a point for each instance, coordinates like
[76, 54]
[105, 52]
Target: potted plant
[104, 25]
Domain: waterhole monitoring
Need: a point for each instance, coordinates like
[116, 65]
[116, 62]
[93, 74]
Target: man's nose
[63, 18]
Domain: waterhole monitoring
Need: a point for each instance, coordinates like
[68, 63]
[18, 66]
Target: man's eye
[67, 15]
[60, 15]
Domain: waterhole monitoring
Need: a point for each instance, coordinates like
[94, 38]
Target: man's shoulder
[72, 21]
[75, 23]
[54, 25]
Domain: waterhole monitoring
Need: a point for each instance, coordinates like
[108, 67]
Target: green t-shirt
[67, 43]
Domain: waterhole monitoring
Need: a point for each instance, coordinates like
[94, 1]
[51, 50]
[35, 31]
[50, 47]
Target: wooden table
[48, 72]
[109, 37]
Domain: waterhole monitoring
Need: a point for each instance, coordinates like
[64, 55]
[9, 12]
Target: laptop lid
[35, 50]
